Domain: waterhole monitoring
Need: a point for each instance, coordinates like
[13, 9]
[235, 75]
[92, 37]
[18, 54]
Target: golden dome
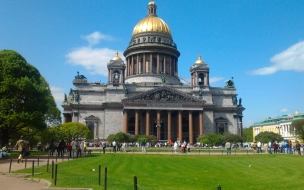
[199, 60]
[151, 2]
[151, 24]
[116, 58]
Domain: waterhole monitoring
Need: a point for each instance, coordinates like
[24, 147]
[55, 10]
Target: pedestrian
[74, 148]
[275, 147]
[269, 147]
[52, 147]
[183, 148]
[104, 145]
[286, 148]
[175, 147]
[298, 147]
[61, 148]
[228, 147]
[259, 145]
[188, 147]
[22, 148]
[124, 147]
[114, 146]
[143, 146]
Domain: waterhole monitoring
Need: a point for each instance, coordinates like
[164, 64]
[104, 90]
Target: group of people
[185, 147]
[73, 147]
[275, 147]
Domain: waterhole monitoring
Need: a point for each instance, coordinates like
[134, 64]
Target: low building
[280, 125]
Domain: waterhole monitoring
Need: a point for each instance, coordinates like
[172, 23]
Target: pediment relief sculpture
[163, 94]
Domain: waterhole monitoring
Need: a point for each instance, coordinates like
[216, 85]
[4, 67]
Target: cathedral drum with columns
[145, 96]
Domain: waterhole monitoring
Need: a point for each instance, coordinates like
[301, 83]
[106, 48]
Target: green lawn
[155, 171]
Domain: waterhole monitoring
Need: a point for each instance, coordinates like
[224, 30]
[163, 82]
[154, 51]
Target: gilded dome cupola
[152, 54]
[151, 23]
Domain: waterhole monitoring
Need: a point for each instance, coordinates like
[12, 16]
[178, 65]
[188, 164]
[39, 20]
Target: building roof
[279, 119]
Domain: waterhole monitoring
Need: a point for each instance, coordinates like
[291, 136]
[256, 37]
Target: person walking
[228, 147]
[143, 146]
[298, 147]
[124, 147]
[275, 147]
[269, 147]
[61, 148]
[259, 145]
[21, 147]
[114, 146]
[103, 145]
[254, 146]
[188, 147]
[175, 147]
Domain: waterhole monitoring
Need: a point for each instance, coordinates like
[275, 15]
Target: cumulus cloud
[284, 110]
[95, 37]
[290, 59]
[58, 94]
[93, 59]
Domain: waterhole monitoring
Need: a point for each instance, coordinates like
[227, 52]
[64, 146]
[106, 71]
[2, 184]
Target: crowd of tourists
[275, 147]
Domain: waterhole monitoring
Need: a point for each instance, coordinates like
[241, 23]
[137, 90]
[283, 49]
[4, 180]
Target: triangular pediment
[163, 94]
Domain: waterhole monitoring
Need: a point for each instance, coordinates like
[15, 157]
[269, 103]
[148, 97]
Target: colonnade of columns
[147, 63]
[169, 121]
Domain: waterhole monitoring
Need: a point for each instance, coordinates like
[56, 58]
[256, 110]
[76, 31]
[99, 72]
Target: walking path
[13, 181]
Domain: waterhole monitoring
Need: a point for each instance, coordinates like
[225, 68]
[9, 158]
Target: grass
[179, 172]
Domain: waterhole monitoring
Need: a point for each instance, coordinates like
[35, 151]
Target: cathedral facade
[145, 95]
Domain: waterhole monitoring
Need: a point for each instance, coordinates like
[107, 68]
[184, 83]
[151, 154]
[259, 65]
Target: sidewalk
[15, 181]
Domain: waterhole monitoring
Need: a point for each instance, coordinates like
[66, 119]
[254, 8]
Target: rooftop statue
[200, 92]
[240, 102]
[229, 83]
[82, 77]
[163, 78]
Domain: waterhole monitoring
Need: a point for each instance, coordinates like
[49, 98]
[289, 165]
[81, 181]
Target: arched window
[201, 79]
[116, 76]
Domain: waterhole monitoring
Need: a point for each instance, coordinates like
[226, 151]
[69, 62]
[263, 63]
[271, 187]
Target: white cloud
[284, 110]
[58, 93]
[95, 37]
[215, 79]
[289, 59]
[93, 59]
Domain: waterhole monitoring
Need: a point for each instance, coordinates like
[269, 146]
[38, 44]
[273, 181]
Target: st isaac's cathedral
[145, 95]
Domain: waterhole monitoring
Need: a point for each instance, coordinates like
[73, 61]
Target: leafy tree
[232, 138]
[51, 133]
[119, 137]
[248, 134]
[25, 98]
[210, 139]
[298, 127]
[267, 136]
[75, 130]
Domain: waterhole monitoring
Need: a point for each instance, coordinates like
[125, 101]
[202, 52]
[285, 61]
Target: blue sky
[259, 43]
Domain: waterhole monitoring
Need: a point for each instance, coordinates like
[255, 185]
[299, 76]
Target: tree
[210, 139]
[26, 102]
[232, 138]
[75, 130]
[119, 137]
[248, 134]
[267, 136]
[298, 127]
